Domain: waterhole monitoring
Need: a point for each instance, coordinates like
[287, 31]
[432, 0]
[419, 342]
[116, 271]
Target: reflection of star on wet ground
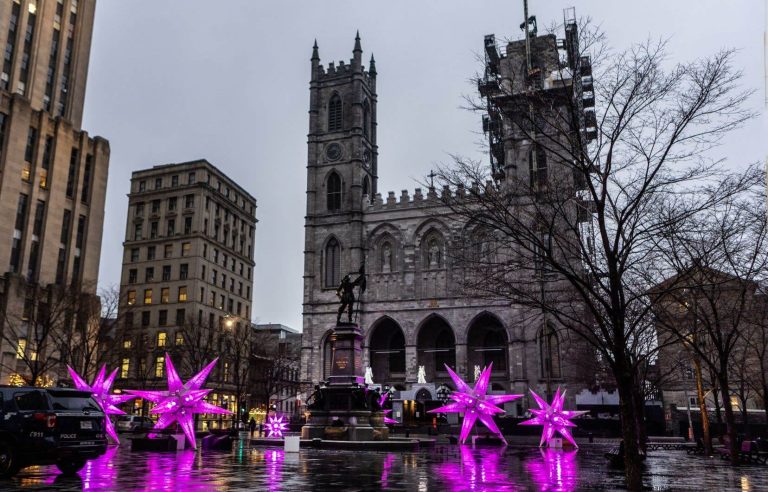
[475, 404]
[556, 471]
[477, 469]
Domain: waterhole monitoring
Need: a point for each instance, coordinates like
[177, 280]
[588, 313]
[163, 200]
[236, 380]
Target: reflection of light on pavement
[556, 470]
[745, 484]
[480, 469]
[386, 469]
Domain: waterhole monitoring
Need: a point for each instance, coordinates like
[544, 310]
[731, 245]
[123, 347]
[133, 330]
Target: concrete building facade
[413, 314]
[187, 275]
[53, 175]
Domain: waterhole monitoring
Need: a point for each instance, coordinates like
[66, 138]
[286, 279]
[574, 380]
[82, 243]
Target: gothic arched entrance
[387, 352]
[487, 343]
[436, 347]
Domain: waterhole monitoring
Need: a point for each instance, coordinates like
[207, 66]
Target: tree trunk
[707, 438]
[642, 431]
[632, 464]
[765, 399]
[730, 421]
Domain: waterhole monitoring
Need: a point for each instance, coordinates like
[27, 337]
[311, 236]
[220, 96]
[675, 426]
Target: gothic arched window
[332, 263]
[366, 187]
[334, 113]
[537, 168]
[549, 351]
[334, 192]
[366, 119]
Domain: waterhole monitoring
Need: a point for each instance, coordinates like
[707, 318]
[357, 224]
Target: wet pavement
[450, 468]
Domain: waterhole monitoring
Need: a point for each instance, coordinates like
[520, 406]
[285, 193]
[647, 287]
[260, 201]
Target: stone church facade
[412, 312]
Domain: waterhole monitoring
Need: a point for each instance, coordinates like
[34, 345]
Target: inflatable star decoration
[553, 418]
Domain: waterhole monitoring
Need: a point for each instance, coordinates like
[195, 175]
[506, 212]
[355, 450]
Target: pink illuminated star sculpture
[100, 389]
[276, 426]
[181, 401]
[553, 418]
[382, 400]
[475, 404]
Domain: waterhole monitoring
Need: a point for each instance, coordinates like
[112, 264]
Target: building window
[145, 318]
[183, 293]
[161, 336]
[126, 343]
[137, 232]
[334, 113]
[21, 348]
[186, 248]
[132, 276]
[134, 254]
[334, 192]
[155, 206]
[165, 295]
[179, 338]
[125, 368]
[172, 204]
[537, 168]
[366, 119]
[142, 185]
[168, 250]
[149, 274]
[183, 271]
[147, 296]
[158, 183]
[131, 297]
[332, 263]
[187, 225]
[189, 201]
[162, 317]
[180, 314]
[150, 253]
[175, 180]
[159, 367]
[153, 229]
[85, 194]
[138, 210]
[166, 273]
[72, 173]
[46, 163]
[191, 178]
[171, 228]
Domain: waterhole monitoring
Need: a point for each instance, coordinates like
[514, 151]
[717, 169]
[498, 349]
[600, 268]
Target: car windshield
[73, 400]
[124, 418]
[31, 400]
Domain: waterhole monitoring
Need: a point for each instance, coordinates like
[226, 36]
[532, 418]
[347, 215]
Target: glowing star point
[100, 389]
[475, 404]
[553, 418]
[276, 426]
[382, 401]
[181, 401]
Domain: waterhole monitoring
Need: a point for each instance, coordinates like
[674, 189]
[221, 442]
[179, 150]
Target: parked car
[60, 426]
[133, 423]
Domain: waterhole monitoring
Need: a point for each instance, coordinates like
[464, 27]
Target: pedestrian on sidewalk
[252, 426]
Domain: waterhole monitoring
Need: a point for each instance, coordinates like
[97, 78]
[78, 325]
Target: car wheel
[9, 465]
[70, 467]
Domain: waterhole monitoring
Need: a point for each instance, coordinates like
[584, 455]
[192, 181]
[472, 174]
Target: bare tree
[576, 219]
[719, 258]
[757, 346]
[274, 366]
[236, 352]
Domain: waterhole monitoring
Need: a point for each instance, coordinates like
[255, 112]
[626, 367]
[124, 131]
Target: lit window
[165, 295]
[183, 294]
[186, 248]
[125, 367]
[161, 337]
[21, 348]
[147, 296]
[131, 297]
[127, 343]
[159, 367]
[179, 338]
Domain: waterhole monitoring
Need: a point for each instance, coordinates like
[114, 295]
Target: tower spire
[315, 52]
[357, 59]
[357, 43]
[372, 69]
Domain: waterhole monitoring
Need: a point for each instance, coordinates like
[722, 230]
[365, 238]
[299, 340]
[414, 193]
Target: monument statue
[368, 375]
[422, 376]
[346, 293]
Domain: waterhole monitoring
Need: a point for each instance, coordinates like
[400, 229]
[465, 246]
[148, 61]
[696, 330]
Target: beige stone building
[187, 275]
[53, 175]
[414, 318]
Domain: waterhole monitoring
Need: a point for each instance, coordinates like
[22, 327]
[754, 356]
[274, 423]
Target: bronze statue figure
[346, 293]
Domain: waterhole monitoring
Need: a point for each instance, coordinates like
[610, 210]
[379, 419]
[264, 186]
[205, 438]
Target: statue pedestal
[347, 363]
[342, 410]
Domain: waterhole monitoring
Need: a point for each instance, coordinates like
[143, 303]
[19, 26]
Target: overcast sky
[227, 80]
